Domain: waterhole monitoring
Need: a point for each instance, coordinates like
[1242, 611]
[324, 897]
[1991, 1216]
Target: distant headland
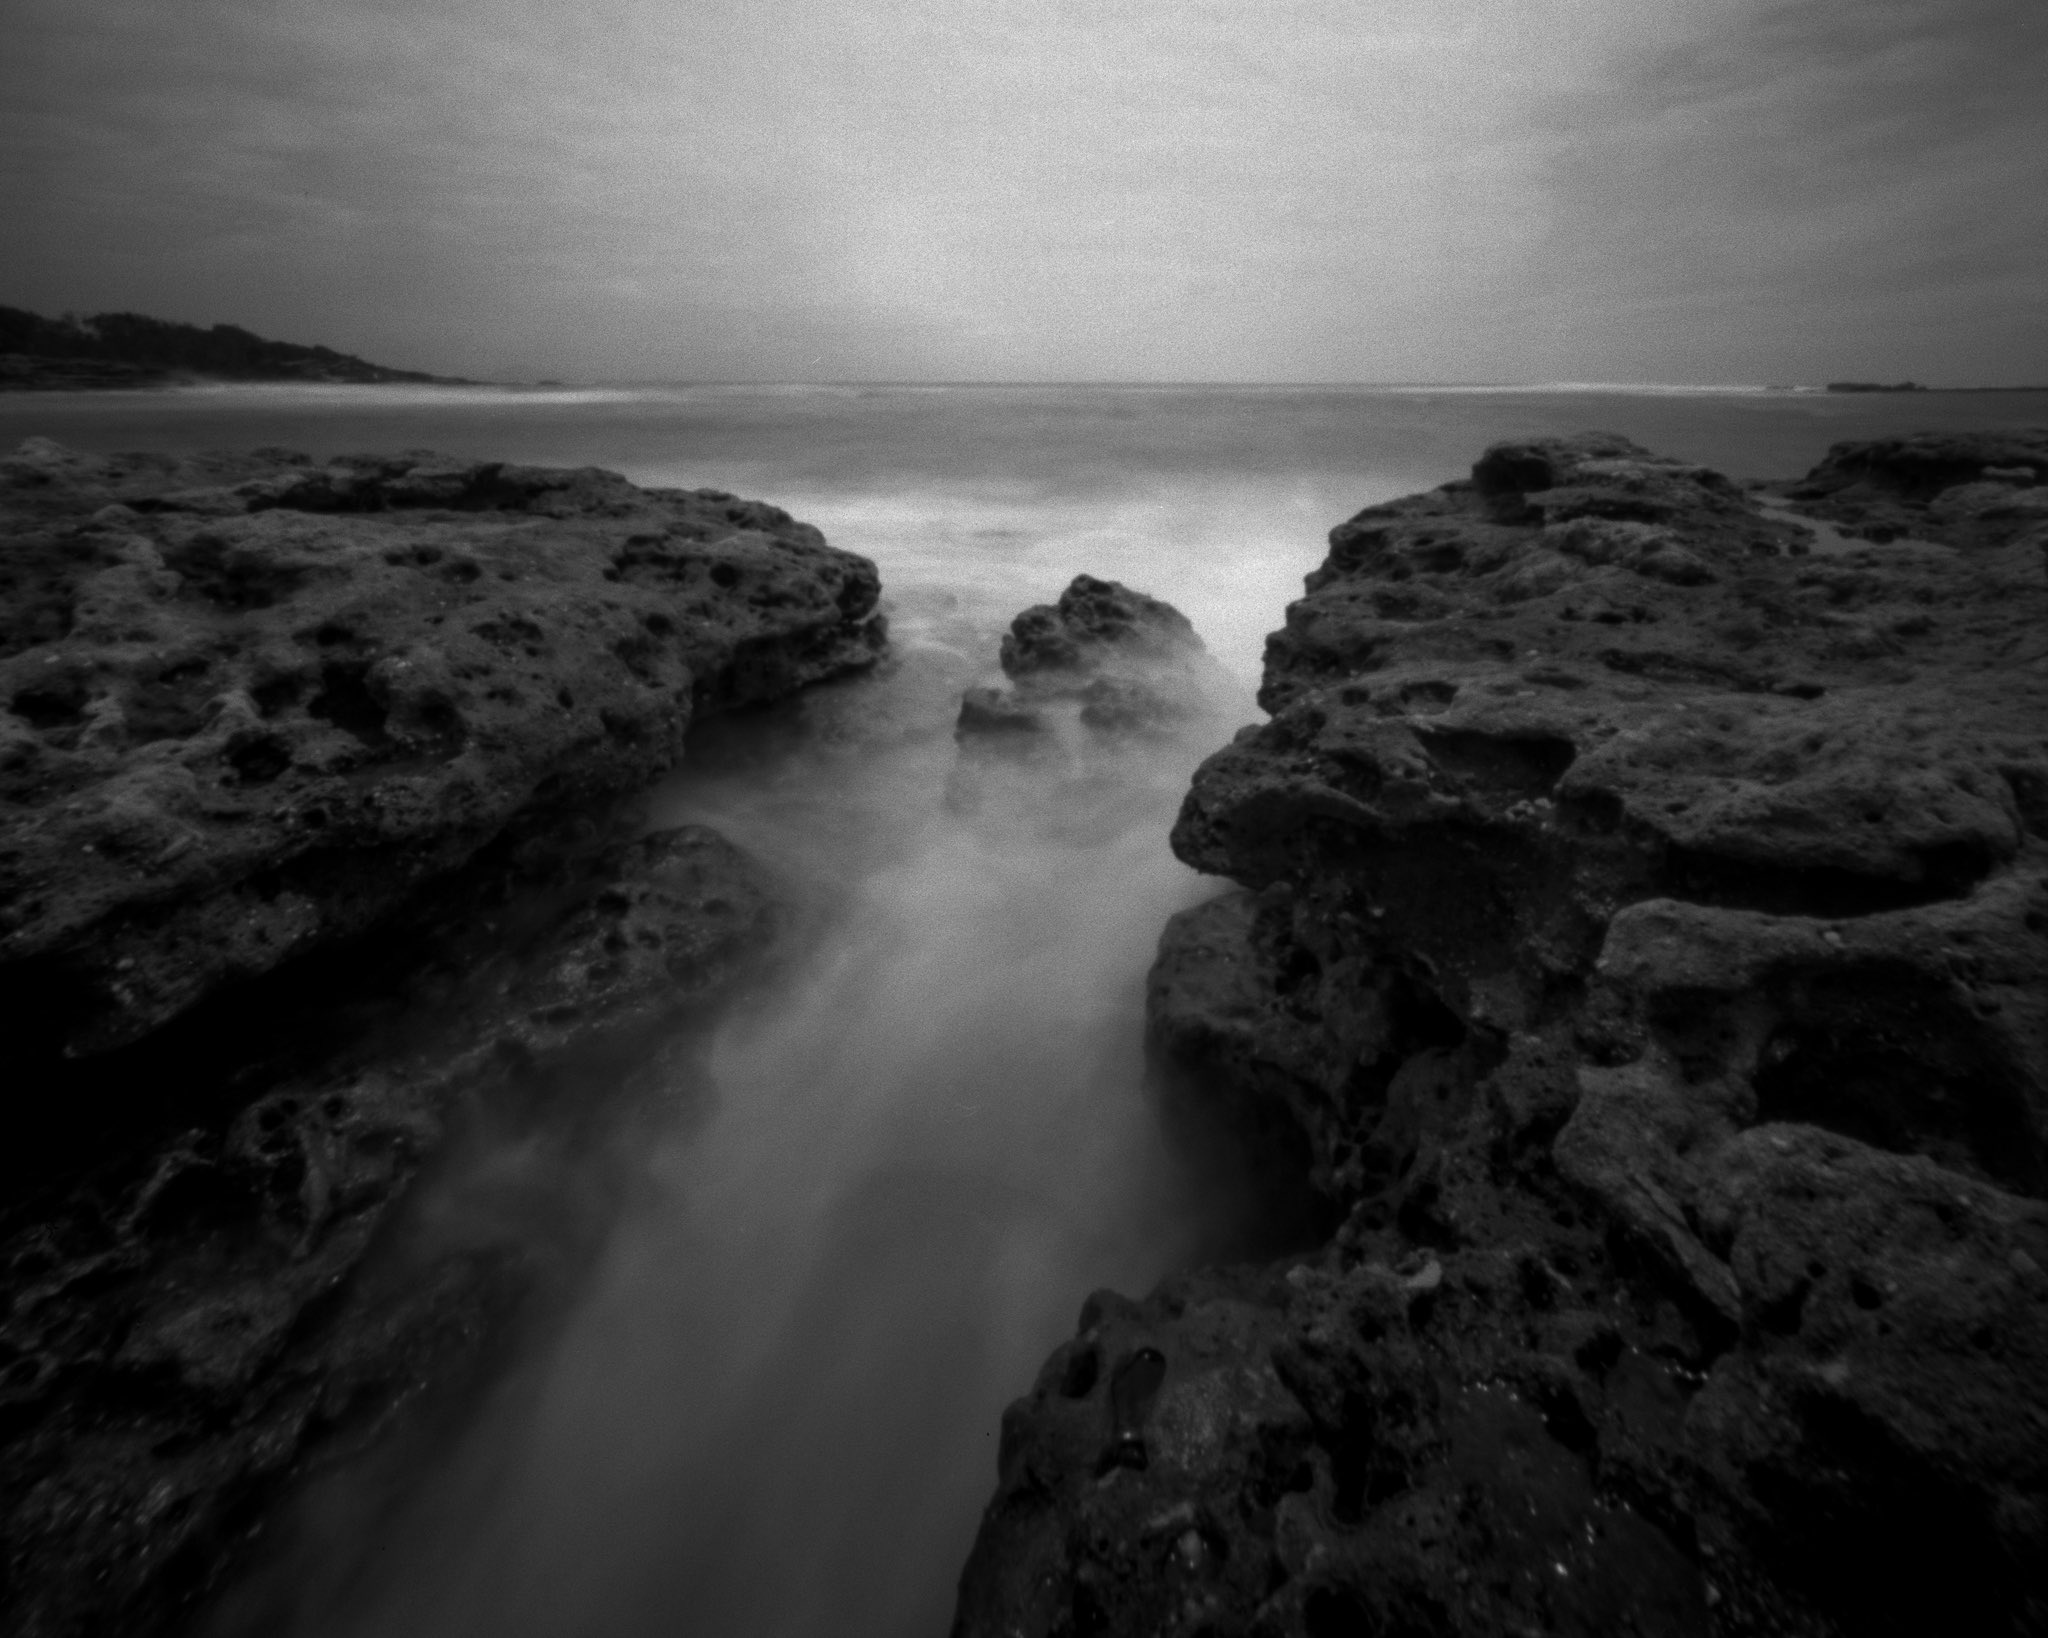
[113, 350]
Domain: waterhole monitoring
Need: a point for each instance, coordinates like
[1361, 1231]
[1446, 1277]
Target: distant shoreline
[134, 352]
[27, 373]
[24, 374]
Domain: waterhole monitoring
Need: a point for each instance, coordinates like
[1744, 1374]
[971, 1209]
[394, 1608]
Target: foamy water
[771, 1404]
[773, 1410]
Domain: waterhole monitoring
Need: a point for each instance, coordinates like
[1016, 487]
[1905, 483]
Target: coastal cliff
[1634, 997]
[318, 848]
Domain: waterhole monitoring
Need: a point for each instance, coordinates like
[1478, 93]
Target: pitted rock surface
[316, 855]
[1640, 961]
[1962, 489]
[212, 1304]
[248, 704]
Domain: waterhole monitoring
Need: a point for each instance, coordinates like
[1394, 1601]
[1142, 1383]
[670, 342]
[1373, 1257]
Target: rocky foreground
[1636, 994]
[317, 847]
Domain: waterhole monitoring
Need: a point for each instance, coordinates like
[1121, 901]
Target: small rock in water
[1112, 659]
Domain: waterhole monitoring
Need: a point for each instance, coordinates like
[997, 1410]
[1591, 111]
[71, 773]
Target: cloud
[989, 188]
[1806, 191]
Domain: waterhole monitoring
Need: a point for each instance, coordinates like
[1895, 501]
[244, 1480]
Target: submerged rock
[1640, 963]
[315, 855]
[252, 703]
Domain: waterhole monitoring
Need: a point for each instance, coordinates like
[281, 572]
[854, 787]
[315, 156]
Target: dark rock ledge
[315, 845]
[1639, 967]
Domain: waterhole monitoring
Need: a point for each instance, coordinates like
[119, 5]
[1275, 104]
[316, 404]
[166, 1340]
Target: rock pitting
[252, 703]
[1640, 961]
[316, 846]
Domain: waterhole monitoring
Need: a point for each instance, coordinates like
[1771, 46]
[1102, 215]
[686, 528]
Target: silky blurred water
[774, 1409]
[770, 1407]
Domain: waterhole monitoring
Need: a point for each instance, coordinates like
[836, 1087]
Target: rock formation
[253, 703]
[1113, 660]
[1639, 967]
[312, 850]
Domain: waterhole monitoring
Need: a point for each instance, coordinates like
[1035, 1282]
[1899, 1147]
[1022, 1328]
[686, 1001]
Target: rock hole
[276, 695]
[1084, 1366]
[1522, 766]
[1424, 697]
[257, 758]
[57, 703]
[1133, 1386]
[1335, 1612]
[346, 701]
[1784, 1312]
[1945, 872]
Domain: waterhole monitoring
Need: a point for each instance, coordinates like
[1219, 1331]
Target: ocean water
[1216, 498]
[769, 1405]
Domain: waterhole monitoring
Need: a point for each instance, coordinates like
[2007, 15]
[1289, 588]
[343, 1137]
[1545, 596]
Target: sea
[766, 1402]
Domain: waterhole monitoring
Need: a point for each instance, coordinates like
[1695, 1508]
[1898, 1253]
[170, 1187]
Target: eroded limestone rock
[249, 704]
[1641, 954]
[317, 859]
[203, 1290]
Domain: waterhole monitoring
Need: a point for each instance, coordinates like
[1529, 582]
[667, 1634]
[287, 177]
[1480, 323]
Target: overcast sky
[1259, 190]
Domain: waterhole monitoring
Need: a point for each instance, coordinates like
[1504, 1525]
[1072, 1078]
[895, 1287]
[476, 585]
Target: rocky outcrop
[253, 703]
[206, 1296]
[1958, 488]
[1107, 658]
[318, 853]
[1640, 960]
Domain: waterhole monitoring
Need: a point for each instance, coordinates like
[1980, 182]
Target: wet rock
[1639, 962]
[220, 1299]
[1371, 1450]
[1879, 1429]
[249, 704]
[1108, 658]
[1962, 489]
[318, 862]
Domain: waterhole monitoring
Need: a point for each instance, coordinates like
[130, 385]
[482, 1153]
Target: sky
[1711, 191]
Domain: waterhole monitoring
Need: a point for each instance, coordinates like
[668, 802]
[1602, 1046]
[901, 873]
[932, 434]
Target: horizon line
[552, 383]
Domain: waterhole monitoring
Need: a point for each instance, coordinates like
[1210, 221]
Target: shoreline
[168, 382]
